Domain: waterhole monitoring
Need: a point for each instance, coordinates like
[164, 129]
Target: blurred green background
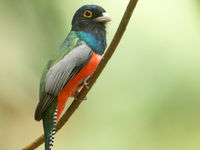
[147, 98]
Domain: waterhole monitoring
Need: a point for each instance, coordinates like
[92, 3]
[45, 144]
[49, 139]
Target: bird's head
[90, 18]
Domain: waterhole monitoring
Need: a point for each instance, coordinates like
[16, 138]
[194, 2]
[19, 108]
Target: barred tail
[49, 124]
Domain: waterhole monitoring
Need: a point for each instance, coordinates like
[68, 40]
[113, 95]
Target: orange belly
[73, 85]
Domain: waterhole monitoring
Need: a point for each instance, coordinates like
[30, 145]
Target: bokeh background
[148, 96]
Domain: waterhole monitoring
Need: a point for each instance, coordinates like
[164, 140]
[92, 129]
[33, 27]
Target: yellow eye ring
[87, 14]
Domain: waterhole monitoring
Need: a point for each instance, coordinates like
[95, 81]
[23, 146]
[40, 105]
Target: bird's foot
[85, 82]
[76, 96]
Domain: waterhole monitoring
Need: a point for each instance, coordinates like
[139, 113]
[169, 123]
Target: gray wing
[61, 73]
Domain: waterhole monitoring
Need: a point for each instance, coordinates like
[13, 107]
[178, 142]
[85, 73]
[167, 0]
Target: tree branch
[75, 104]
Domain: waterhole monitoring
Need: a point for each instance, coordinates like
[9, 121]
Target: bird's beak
[104, 18]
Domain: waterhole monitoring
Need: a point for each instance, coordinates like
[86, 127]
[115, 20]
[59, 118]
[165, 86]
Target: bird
[73, 63]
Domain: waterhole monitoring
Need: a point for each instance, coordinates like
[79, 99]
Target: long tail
[50, 119]
[49, 124]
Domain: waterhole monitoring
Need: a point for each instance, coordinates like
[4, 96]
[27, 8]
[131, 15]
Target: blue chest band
[96, 42]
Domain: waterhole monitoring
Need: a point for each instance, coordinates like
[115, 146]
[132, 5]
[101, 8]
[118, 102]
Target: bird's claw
[76, 96]
[86, 83]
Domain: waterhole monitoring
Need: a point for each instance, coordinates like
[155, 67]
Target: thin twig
[75, 104]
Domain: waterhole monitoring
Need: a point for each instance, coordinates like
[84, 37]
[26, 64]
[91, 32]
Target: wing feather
[61, 73]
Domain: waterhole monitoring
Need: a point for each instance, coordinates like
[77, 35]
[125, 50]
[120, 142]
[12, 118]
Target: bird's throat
[96, 41]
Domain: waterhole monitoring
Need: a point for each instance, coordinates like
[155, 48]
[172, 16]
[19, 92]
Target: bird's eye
[87, 14]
